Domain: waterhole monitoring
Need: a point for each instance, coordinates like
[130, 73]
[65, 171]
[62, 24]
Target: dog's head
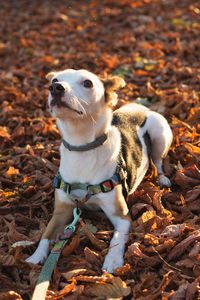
[75, 93]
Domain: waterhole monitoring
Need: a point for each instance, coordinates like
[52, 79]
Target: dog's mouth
[56, 101]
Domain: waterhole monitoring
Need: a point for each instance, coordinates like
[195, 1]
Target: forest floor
[155, 46]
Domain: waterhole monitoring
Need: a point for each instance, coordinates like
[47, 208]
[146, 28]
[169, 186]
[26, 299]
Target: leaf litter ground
[155, 46]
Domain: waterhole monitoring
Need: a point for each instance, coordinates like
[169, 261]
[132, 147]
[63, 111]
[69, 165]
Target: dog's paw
[112, 262]
[36, 258]
[40, 254]
[164, 181]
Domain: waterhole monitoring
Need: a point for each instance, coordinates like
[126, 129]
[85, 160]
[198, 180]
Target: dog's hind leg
[161, 139]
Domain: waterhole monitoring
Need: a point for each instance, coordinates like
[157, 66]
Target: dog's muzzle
[57, 92]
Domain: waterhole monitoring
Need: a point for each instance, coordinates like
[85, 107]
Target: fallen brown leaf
[99, 244]
[93, 257]
[181, 247]
[158, 292]
[173, 231]
[76, 272]
[11, 295]
[115, 289]
[7, 260]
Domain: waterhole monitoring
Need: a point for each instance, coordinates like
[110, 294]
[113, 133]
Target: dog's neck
[85, 130]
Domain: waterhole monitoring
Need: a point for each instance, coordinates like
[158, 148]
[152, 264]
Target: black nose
[56, 88]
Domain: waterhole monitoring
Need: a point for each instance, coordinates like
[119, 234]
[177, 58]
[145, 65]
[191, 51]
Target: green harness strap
[48, 268]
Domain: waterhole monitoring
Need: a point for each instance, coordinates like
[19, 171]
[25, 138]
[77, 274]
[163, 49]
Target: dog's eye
[88, 84]
[54, 80]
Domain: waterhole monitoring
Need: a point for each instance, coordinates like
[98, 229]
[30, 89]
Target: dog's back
[144, 134]
[133, 145]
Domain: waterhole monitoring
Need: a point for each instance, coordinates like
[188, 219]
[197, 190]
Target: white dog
[104, 155]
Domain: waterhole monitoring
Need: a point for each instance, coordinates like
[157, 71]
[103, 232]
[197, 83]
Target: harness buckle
[107, 186]
[91, 189]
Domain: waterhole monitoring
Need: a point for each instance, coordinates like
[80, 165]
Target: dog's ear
[50, 75]
[112, 84]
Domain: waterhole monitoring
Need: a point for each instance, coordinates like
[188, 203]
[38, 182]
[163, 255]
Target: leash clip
[77, 212]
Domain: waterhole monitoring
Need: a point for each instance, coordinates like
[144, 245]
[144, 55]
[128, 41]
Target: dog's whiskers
[84, 101]
[78, 105]
[93, 120]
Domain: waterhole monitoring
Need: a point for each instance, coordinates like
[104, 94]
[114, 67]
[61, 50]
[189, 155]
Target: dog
[101, 148]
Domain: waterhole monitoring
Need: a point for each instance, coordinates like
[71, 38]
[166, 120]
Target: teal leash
[48, 268]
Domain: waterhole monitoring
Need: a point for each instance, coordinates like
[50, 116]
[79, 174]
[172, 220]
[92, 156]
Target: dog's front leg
[117, 212]
[61, 216]
[115, 256]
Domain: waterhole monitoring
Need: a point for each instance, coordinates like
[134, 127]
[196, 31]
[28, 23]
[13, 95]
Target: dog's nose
[56, 88]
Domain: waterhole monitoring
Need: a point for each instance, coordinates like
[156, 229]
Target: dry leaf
[181, 247]
[173, 231]
[76, 272]
[117, 288]
[134, 252]
[192, 289]
[105, 278]
[11, 295]
[99, 244]
[151, 239]
[124, 270]
[192, 195]
[195, 250]
[147, 216]
[159, 290]
[22, 244]
[13, 234]
[148, 280]
[7, 260]
[66, 290]
[192, 149]
[181, 292]
[186, 263]
[93, 257]
[136, 208]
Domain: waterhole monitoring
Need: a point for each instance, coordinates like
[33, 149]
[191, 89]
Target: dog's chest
[91, 167]
[123, 149]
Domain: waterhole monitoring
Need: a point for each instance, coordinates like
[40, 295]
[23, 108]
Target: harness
[106, 186]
